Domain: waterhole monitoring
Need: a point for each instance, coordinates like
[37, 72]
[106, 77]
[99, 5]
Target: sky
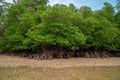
[94, 4]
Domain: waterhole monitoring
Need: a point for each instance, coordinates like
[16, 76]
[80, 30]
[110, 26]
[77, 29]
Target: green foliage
[86, 11]
[31, 24]
[56, 29]
[117, 18]
[108, 38]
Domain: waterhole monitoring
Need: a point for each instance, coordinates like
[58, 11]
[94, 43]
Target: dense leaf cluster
[32, 24]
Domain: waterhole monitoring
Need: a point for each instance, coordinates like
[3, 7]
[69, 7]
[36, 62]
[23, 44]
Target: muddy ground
[13, 61]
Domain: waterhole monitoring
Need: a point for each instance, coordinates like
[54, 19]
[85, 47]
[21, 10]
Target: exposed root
[51, 53]
[100, 54]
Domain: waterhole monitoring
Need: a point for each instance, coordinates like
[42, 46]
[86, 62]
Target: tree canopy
[32, 24]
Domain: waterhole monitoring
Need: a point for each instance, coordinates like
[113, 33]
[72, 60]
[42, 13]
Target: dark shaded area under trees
[31, 28]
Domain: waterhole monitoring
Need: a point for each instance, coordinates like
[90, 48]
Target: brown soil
[12, 61]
